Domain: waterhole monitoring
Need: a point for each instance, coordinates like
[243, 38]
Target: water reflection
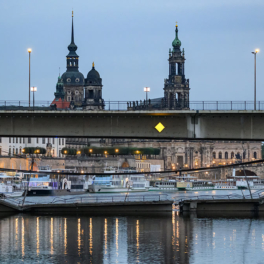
[133, 239]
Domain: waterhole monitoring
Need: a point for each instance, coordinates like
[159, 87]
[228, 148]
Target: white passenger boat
[118, 183]
[10, 186]
[169, 185]
[200, 185]
[8, 191]
[225, 185]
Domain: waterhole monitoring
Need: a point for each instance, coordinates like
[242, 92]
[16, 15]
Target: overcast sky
[129, 43]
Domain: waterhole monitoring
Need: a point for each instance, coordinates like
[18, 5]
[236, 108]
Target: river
[167, 238]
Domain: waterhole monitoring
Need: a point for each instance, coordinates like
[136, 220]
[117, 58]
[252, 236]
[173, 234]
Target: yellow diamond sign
[159, 127]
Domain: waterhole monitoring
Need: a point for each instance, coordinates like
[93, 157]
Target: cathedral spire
[72, 34]
[72, 47]
[72, 57]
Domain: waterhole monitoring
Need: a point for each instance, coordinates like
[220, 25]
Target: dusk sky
[129, 42]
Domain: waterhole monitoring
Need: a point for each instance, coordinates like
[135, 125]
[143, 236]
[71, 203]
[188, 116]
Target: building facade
[196, 154]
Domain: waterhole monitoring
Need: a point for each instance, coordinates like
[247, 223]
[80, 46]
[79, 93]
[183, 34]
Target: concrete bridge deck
[176, 124]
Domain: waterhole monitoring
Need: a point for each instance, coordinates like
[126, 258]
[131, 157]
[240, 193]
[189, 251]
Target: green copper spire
[176, 43]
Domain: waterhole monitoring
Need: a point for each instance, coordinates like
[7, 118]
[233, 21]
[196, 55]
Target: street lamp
[255, 76]
[29, 51]
[33, 89]
[146, 89]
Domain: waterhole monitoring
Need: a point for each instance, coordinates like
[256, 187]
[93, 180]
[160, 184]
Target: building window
[220, 155]
[59, 152]
[23, 140]
[20, 140]
[16, 151]
[214, 155]
[0, 152]
[16, 140]
[53, 140]
[59, 141]
[13, 140]
[13, 151]
[10, 140]
[43, 140]
[244, 154]
[48, 140]
[68, 98]
[232, 155]
[255, 155]
[29, 140]
[9, 152]
[20, 151]
[62, 141]
[37, 140]
[0, 140]
[226, 155]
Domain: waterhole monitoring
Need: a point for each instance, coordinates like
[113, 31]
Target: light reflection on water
[170, 238]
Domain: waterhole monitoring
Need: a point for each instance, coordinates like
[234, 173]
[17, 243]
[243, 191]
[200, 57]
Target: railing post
[109, 105]
[217, 105]
[259, 105]
[245, 105]
[118, 105]
[203, 105]
[231, 105]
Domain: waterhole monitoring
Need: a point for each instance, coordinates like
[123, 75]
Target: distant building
[13, 145]
[73, 89]
[176, 86]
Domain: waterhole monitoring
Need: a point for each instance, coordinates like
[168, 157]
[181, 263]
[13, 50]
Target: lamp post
[255, 77]
[33, 90]
[29, 52]
[146, 89]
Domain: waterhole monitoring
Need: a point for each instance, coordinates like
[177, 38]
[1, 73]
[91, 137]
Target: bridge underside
[202, 125]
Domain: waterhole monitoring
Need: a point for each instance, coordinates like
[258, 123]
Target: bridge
[151, 124]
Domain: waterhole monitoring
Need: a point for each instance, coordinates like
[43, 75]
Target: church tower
[93, 90]
[72, 79]
[176, 87]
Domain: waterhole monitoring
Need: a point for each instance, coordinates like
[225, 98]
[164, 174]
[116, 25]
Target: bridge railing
[139, 106]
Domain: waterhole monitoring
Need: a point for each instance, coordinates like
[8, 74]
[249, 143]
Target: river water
[167, 238]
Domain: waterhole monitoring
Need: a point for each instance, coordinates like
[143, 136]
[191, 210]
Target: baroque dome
[72, 78]
[176, 43]
[93, 74]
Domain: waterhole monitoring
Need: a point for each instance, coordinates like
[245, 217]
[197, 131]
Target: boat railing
[112, 199]
[95, 199]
